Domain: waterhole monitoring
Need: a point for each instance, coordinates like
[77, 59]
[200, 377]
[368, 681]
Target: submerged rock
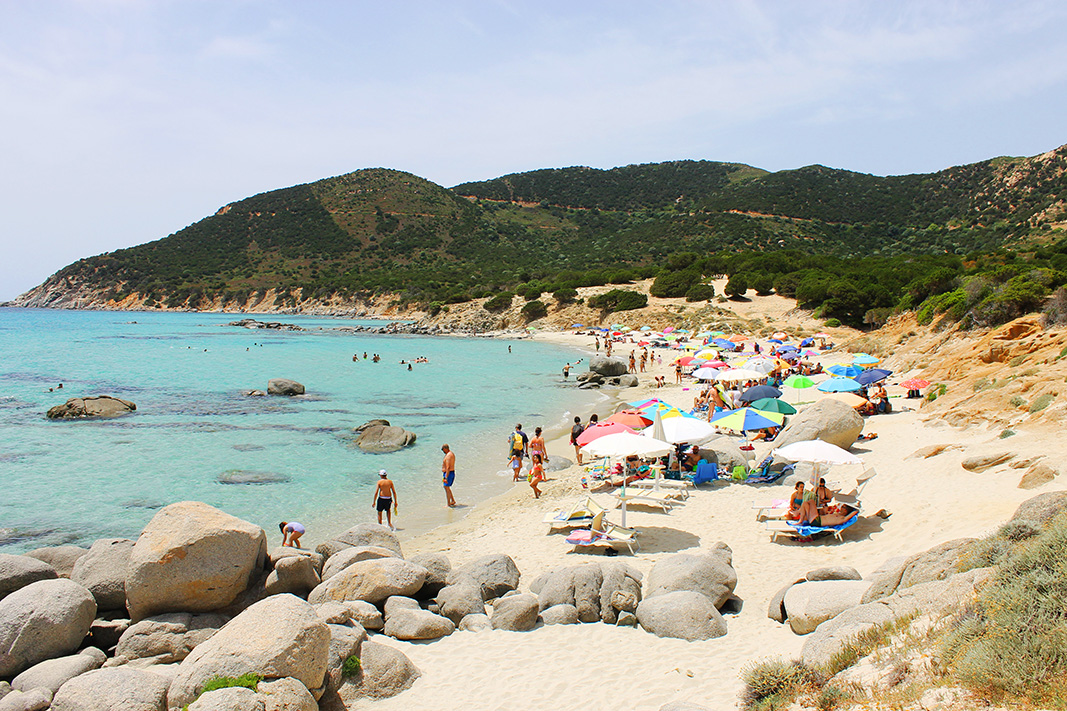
[251, 477]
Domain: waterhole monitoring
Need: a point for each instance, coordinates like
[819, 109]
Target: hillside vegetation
[982, 239]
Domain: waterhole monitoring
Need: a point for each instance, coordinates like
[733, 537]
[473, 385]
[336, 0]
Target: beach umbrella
[646, 328]
[817, 452]
[851, 399]
[707, 354]
[774, 340]
[839, 385]
[602, 429]
[798, 382]
[873, 375]
[761, 365]
[686, 360]
[625, 444]
[724, 344]
[735, 374]
[668, 329]
[823, 335]
[705, 373]
[715, 364]
[577, 325]
[631, 418]
[780, 335]
[845, 371]
[737, 338]
[864, 359]
[915, 384]
[745, 418]
[759, 392]
[683, 429]
[773, 404]
[809, 341]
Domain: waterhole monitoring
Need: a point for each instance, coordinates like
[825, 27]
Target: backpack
[516, 442]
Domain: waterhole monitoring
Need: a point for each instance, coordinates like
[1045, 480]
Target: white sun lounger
[650, 498]
[579, 515]
[602, 534]
[672, 487]
[774, 509]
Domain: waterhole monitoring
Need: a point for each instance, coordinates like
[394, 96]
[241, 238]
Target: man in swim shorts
[384, 497]
[448, 473]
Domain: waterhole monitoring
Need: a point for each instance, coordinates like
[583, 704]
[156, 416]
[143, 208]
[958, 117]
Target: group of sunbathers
[815, 507]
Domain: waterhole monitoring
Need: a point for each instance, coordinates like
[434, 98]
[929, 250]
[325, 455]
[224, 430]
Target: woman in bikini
[537, 445]
[536, 475]
[795, 501]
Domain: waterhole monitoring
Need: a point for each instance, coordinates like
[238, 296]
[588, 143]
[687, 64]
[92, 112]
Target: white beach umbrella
[624, 444]
[736, 374]
[818, 453]
[761, 365]
[705, 374]
[685, 429]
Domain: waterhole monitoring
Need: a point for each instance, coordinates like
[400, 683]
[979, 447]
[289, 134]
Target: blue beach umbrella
[759, 392]
[864, 359]
[774, 340]
[577, 325]
[724, 344]
[873, 376]
[845, 371]
[839, 385]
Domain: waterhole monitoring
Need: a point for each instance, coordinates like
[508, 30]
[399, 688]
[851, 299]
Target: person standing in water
[448, 473]
[384, 498]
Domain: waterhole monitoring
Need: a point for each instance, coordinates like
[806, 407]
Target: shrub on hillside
[737, 286]
[565, 295]
[674, 284]
[534, 292]
[763, 284]
[619, 300]
[499, 302]
[774, 683]
[832, 323]
[534, 310]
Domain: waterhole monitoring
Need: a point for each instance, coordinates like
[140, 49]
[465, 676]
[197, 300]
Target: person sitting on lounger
[822, 494]
[795, 501]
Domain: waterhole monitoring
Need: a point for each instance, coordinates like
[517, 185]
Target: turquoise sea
[75, 481]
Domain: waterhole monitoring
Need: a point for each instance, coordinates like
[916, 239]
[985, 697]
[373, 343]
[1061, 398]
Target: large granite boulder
[683, 614]
[517, 613]
[234, 698]
[96, 407]
[496, 574]
[62, 558]
[280, 636]
[286, 695]
[34, 700]
[461, 599]
[284, 386]
[292, 574]
[103, 571]
[560, 615]
[723, 451]
[364, 534]
[191, 557]
[707, 572]
[833, 572]
[367, 615]
[115, 689]
[167, 638]
[276, 554]
[371, 580]
[437, 569]
[1041, 508]
[345, 641]
[347, 556]
[829, 420]
[608, 367]
[46, 619]
[18, 571]
[938, 563]
[812, 603]
[384, 672]
[577, 586]
[411, 624]
[54, 673]
[380, 439]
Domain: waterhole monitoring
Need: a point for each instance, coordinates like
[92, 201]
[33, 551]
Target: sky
[123, 121]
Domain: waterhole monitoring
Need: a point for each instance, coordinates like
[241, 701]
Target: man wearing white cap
[384, 496]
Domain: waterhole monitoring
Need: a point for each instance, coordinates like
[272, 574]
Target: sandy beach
[597, 666]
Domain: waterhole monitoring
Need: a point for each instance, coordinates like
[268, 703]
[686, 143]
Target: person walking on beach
[448, 473]
[536, 475]
[384, 497]
[576, 430]
[291, 533]
[537, 446]
[519, 441]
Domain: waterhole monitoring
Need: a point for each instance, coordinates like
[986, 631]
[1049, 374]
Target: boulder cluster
[606, 371]
[157, 623]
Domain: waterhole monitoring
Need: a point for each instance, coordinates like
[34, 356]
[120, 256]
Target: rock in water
[380, 439]
[248, 476]
[41, 621]
[278, 637]
[83, 407]
[284, 386]
[829, 420]
[191, 557]
[18, 571]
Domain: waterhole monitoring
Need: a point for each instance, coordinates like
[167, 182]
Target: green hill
[385, 231]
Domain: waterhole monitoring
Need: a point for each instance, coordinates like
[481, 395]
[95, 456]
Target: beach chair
[796, 530]
[851, 498]
[763, 474]
[580, 515]
[659, 499]
[773, 509]
[603, 534]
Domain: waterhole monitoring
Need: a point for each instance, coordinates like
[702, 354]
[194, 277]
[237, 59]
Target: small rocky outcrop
[116, 688]
[709, 573]
[461, 599]
[812, 603]
[192, 557]
[62, 558]
[1041, 508]
[278, 637]
[379, 437]
[364, 534]
[384, 672]
[597, 591]
[18, 571]
[372, 581]
[166, 639]
[101, 406]
[938, 563]
[292, 574]
[285, 387]
[346, 557]
[829, 420]
[437, 568]
[608, 367]
[517, 613]
[43, 620]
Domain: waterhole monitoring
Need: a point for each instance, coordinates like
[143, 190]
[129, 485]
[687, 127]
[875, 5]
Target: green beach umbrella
[798, 382]
[773, 404]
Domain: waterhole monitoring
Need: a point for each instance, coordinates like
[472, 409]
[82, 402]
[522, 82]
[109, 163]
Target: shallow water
[195, 435]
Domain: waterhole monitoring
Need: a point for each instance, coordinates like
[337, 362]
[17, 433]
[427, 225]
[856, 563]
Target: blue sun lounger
[795, 530]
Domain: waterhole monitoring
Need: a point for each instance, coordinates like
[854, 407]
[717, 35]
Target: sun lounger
[579, 515]
[773, 509]
[646, 498]
[603, 534]
[795, 530]
[672, 487]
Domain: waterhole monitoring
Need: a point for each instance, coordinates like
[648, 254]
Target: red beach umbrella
[686, 360]
[915, 384]
[601, 429]
[631, 418]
